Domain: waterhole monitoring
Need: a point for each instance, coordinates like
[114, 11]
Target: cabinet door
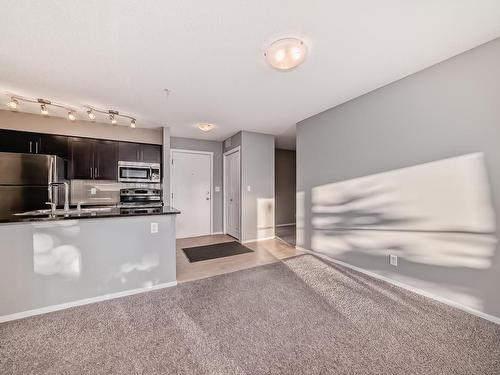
[17, 141]
[53, 145]
[81, 158]
[150, 153]
[128, 151]
[106, 160]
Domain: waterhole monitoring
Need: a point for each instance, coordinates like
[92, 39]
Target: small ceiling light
[43, 110]
[132, 123]
[112, 118]
[286, 54]
[91, 115]
[205, 127]
[71, 116]
[13, 103]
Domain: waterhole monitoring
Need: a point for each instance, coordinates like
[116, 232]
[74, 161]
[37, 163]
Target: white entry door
[191, 192]
[232, 193]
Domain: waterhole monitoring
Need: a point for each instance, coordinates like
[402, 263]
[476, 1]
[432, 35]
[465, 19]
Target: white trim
[213, 233]
[233, 150]
[81, 302]
[211, 154]
[259, 239]
[448, 302]
[285, 225]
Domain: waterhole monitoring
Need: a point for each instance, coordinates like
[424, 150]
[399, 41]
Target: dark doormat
[218, 250]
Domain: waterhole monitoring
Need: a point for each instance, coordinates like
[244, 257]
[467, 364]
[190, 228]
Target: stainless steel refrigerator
[25, 179]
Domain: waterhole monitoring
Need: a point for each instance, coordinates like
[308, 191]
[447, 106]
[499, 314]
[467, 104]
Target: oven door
[134, 174]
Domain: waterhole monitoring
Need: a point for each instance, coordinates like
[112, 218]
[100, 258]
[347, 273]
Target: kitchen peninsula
[50, 263]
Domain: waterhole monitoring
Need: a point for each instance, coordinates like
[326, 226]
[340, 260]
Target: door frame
[224, 156]
[209, 153]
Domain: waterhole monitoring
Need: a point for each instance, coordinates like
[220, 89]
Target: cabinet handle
[91, 173]
[31, 147]
[36, 147]
[96, 172]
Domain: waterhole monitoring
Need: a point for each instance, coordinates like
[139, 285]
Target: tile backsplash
[101, 192]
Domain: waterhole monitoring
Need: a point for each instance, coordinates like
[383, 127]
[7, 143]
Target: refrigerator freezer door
[24, 169]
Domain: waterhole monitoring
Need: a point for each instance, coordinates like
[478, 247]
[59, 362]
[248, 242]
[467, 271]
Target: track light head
[71, 116]
[132, 123]
[91, 115]
[13, 103]
[112, 118]
[43, 110]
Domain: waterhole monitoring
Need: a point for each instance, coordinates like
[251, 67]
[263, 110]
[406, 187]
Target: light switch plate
[154, 227]
[393, 260]
[249, 188]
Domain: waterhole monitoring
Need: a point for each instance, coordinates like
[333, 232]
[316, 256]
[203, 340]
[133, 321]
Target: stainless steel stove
[140, 198]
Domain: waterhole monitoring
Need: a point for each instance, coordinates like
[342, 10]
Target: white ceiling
[122, 54]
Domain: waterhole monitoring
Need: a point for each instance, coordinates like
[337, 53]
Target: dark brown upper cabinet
[92, 159]
[139, 152]
[33, 143]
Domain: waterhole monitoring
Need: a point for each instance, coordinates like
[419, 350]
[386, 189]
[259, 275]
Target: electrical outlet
[154, 227]
[217, 188]
[393, 260]
[93, 191]
[249, 188]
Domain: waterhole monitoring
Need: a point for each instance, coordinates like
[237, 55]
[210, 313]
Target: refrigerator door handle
[51, 178]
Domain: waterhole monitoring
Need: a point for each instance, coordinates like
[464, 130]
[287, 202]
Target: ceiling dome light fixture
[286, 54]
[205, 127]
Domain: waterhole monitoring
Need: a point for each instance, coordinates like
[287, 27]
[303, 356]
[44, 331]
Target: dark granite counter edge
[114, 213]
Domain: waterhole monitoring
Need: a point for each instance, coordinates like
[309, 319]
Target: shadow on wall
[436, 217]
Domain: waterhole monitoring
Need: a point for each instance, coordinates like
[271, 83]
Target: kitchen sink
[61, 212]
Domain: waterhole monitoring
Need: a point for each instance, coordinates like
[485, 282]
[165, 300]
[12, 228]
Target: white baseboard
[285, 225]
[86, 301]
[448, 302]
[259, 239]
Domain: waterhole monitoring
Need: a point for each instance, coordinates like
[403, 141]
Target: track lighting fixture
[14, 101]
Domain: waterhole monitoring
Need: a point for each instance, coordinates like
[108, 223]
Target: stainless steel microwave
[131, 171]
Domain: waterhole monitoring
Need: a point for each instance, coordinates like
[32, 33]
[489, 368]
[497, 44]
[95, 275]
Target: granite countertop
[110, 212]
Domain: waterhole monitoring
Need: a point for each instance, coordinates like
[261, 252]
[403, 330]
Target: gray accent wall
[285, 184]
[257, 172]
[448, 110]
[216, 148]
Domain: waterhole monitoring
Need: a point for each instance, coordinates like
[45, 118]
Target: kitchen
[81, 219]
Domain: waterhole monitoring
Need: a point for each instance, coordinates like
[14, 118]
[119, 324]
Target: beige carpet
[301, 316]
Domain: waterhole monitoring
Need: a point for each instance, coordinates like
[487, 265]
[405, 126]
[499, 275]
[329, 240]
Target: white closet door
[232, 192]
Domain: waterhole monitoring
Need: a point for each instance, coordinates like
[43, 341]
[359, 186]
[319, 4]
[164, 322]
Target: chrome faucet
[66, 193]
[52, 206]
